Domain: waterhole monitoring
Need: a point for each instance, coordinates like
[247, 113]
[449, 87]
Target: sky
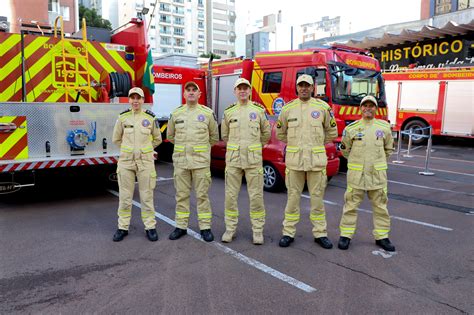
[356, 15]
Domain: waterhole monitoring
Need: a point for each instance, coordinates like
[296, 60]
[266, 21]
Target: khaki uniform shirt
[367, 145]
[193, 130]
[246, 129]
[137, 133]
[306, 127]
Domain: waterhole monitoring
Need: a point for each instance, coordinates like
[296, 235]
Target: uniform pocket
[255, 153]
[319, 159]
[317, 130]
[234, 129]
[153, 180]
[292, 128]
[232, 153]
[201, 154]
[255, 130]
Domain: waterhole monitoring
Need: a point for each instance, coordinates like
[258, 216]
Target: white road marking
[447, 159]
[392, 216]
[241, 257]
[426, 187]
[383, 253]
[432, 169]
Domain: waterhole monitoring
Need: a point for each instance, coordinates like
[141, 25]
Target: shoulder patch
[178, 109]
[149, 112]
[126, 111]
[205, 108]
[230, 106]
[260, 106]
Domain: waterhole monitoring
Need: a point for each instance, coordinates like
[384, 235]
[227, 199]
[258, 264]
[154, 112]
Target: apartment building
[221, 27]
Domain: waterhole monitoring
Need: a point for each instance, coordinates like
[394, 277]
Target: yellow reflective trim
[179, 148]
[182, 214]
[232, 147]
[232, 213]
[292, 149]
[348, 229]
[341, 110]
[255, 147]
[319, 149]
[380, 167]
[126, 149]
[259, 214]
[207, 215]
[319, 217]
[355, 167]
[147, 150]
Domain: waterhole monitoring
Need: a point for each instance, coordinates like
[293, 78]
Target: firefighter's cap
[242, 81]
[305, 78]
[136, 90]
[191, 83]
[369, 98]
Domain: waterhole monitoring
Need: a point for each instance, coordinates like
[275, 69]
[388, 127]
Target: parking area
[57, 254]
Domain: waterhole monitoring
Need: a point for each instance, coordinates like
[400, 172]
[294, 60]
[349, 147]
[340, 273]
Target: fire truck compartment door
[458, 116]
[419, 96]
[391, 92]
[224, 92]
[167, 97]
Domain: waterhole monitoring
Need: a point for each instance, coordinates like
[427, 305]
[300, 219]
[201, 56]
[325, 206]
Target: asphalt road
[57, 254]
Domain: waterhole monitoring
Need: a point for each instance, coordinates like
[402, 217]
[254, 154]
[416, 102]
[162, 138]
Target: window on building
[220, 51]
[165, 40]
[53, 5]
[465, 4]
[200, 24]
[165, 18]
[178, 20]
[164, 50]
[65, 13]
[442, 6]
[165, 30]
[272, 82]
[179, 51]
[179, 42]
[165, 7]
[178, 31]
[200, 3]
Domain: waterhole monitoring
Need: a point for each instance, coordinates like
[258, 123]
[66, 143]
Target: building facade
[325, 28]
[220, 20]
[430, 8]
[43, 12]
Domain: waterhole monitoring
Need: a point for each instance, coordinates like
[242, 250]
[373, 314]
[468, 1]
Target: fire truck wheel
[272, 180]
[417, 127]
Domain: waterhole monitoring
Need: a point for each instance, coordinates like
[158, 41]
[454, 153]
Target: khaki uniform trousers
[183, 179]
[316, 186]
[352, 199]
[233, 182]
[146, 185]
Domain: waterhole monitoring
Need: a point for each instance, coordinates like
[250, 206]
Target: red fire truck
[55, 94]
[342, 76]
[437, 97]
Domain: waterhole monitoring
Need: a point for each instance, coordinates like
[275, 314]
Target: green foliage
[92, 18]
[214, 56]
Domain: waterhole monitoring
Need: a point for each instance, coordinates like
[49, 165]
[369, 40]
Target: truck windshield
[350, 85]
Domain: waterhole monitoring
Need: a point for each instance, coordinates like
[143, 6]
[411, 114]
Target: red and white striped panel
[27, 166]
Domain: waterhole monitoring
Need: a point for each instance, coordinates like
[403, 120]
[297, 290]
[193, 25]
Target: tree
[92, 18]
[214, 56]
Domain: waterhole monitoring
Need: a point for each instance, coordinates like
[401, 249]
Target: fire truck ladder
[81, 53]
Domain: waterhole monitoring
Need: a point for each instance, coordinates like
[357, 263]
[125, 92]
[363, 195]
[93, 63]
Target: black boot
[385, 244]
[152, 235]
[285, 241]
[207, 235]
[344, 243]
[120, 235]
[324, 242]
[177, 233]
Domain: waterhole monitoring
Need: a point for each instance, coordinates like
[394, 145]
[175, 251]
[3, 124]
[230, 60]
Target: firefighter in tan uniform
[306, 124]
[245, 129]
[137, 133]
[367, 145]
[192, 129]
